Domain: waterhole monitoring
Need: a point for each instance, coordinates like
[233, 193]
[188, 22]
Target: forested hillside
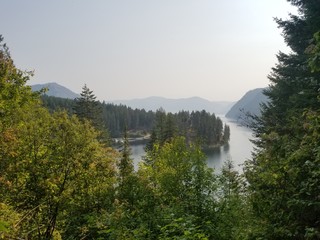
[249, 104]
[115, 118]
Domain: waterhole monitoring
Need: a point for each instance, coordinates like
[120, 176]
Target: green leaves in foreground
[58, 170]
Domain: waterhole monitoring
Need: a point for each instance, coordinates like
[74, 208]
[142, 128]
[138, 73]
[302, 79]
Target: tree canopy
[284, 173]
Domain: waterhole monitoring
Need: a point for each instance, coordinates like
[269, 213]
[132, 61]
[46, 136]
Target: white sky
[124, 49]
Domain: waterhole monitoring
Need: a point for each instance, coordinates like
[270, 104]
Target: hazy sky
[124, 49]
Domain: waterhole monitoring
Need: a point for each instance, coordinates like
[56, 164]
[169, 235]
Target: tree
[88, 108]
[170, 128]
[314, 51]
[283, 170]
[56, 179]
[226, 134]
[15, 99]
[59, 172]
[126, 172]
[198, 126]
[234, 218]
[183, 184]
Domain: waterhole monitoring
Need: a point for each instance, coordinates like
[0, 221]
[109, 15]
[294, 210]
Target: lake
[238, 150]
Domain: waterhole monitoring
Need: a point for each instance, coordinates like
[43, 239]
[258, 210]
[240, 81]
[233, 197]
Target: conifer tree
[283, 174]
[88, 108]
[126, 164]
[126, 173]
[226, 133]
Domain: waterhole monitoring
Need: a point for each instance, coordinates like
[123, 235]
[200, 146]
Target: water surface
[238, 150]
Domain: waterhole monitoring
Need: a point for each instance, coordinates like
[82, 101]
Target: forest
[195, 126]
[61, 179]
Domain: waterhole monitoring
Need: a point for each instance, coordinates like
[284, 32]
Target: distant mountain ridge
[176, 105]
[149, 103]
[56, 90]
[249, 103]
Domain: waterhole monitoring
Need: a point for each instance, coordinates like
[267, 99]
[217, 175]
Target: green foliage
[182, 181]
[162, 126]
[60, 170]
[87, 108]
[233, 209]
[182, 229]
[114, 118]
[126, 164]
[195, 127]
[58, 181]
[126, 178]
[56, 103]
[226, 133]
[314, 51]
[55, 174]
[284, 172]
[9, 220]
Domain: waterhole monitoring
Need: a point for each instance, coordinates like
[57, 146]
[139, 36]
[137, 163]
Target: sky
[126, 49]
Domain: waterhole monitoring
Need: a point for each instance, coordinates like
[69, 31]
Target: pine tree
[88, 108]
[226, 134]
[126, 164]
[283, 174]
[126, 177]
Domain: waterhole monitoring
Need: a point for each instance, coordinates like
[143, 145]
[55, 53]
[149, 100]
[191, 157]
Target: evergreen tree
[56, 103]
[226, 133]
[283, 175]
[126, 163]
[160, 125]
[170, 128]
[234, 216]
[87, 107]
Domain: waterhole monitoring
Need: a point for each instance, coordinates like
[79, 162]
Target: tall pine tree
[284, 174]
[88, 108]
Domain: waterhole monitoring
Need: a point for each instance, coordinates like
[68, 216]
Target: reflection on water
[216, 156]
[138, 152]
[238, 150]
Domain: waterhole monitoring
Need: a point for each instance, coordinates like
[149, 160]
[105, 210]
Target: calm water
[238, 150]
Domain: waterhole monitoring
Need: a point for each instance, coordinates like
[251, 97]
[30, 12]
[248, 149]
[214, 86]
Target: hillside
[55, 90]
[150, 103]
[176, 105]
[249, 103]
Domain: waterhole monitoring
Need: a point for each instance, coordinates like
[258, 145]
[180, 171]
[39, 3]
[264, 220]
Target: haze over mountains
[250, 102]
[150, 103]
[56, 90]
[176, 105]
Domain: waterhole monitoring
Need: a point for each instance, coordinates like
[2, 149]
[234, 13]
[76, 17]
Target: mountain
[176, 105]
[150, 103]
[55, 90]
[249, 103]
